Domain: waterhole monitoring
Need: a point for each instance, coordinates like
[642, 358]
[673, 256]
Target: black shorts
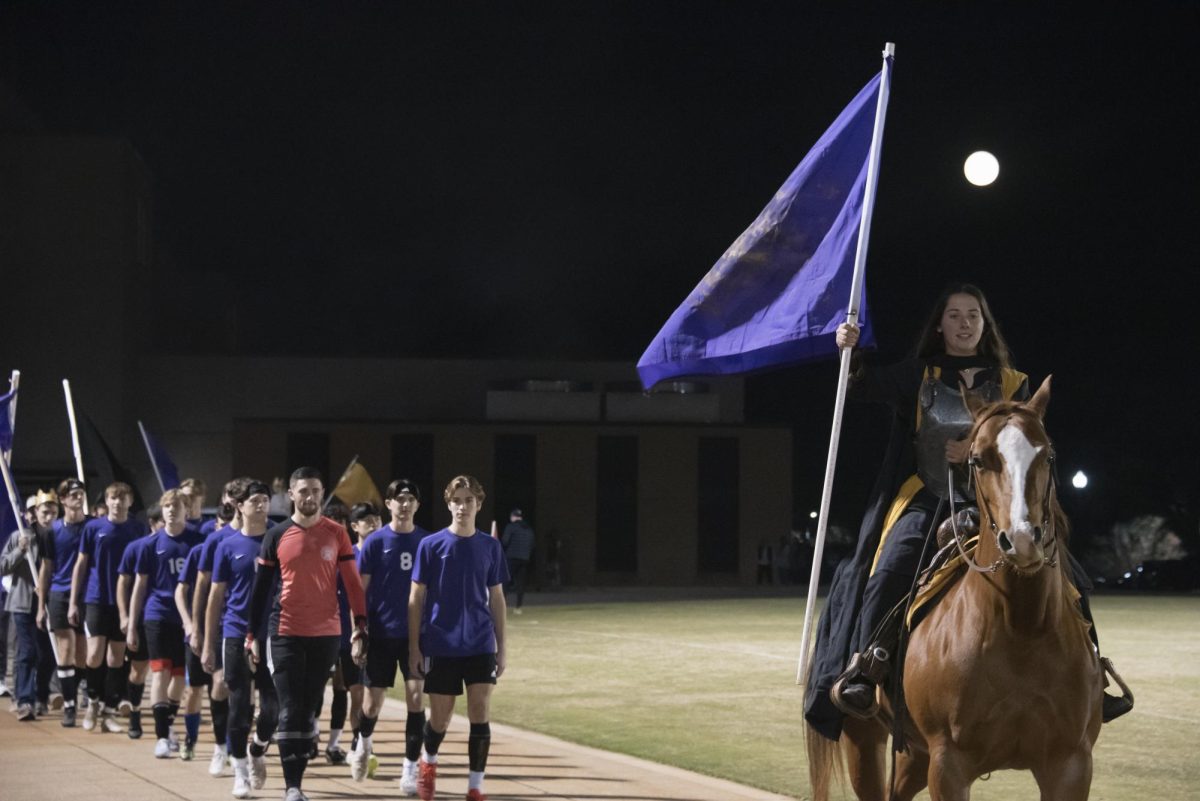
[102, 620]
[383, 654]
[143, 650]
[57, 606]
[164, 640]
[196, 675]
[351, 673]
[446, 675]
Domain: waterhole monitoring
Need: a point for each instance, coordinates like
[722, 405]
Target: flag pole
[14, 383]
[150, 452]
[860, 261]
[349, 467]
[75, 442]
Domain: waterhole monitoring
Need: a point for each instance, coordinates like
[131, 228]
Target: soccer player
[54, 590]
[386, 562]
[138, 657]
[307, 553]
[196, 676]
[228, 616]
[218, 696]
[94, 584]
[194, 490]
[456, 617]
[159, 565]
[347, 676]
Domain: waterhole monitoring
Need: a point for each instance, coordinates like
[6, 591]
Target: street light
[1079, 480]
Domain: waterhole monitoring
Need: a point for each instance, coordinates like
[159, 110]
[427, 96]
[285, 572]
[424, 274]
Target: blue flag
[167, 471]
[6, 429]
[780, 291]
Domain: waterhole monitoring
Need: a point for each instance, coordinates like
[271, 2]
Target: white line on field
[700, 646]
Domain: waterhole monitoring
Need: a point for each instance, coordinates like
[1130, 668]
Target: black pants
[242, 684]
[300, 668]
[898, 564]
[518, 569]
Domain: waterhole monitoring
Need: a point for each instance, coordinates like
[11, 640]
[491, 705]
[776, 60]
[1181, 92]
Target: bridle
[973, 464]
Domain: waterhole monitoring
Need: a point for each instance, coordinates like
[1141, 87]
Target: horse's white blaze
[1018, 453]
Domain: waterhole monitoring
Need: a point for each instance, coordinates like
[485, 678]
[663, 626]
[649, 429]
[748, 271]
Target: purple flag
[780, 291]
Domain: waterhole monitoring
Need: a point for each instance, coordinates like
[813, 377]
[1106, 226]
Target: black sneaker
[335, 755]
[135, 725]
[25, 712]
[42, 709]
[68, 718]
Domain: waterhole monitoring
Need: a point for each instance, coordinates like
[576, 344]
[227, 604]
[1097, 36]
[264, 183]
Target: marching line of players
[242, 609]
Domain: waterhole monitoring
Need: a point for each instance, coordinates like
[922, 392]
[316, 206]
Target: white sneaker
[4, 691]
[173, 741]
[358, 763]
[216, 765]
[89, 717]
[241, 779]
[408, 778]
[109, 723]
[162, 749]
[294, 794]
[258, 772]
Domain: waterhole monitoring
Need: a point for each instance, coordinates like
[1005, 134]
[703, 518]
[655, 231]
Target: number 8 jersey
[388, 558]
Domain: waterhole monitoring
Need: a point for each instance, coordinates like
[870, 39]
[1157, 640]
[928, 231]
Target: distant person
[765, 560]
[347, 676]
[20, 564]
[306, 553]
[518, 549]
[194, 492]
[456, 618]
[280, 505]
[137, 658]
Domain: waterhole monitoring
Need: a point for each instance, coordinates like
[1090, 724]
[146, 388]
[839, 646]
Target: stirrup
[871, 666]
[1109, 670]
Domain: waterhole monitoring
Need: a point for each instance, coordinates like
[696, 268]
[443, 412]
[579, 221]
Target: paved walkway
[41, 761]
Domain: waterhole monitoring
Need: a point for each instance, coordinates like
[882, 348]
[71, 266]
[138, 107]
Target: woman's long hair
[991, 343]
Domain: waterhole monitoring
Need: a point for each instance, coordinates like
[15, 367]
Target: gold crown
[45, 496]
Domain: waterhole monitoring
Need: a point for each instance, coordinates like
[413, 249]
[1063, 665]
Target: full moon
[981, 168]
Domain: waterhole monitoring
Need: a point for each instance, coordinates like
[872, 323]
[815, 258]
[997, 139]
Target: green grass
[709, 685]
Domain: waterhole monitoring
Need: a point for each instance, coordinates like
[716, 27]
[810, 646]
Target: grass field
[709, 685]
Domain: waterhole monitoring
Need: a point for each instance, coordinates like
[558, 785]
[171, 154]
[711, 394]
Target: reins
[973, 464]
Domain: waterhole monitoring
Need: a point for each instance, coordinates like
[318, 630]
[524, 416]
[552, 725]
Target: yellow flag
[356, 486]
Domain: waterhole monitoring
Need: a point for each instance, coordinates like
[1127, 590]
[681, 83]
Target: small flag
[356, 486]
[6, 428]
[168, 473]
[780, 291]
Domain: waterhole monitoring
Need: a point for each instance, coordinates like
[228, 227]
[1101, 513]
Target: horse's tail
[825, 762]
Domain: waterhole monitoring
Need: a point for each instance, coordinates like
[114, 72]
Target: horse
[1001, 673]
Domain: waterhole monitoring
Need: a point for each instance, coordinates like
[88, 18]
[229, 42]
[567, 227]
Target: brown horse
[1001, 673]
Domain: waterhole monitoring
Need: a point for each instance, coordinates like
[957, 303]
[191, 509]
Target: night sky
[549, 180]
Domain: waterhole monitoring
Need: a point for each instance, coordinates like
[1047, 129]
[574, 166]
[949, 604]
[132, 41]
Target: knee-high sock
[162, 720]
[478, 743]
[114, 687]
[95, 681]
[433, 740]
[136, 693]
[414, 727]
[337, 709]
[220, 721]
[66, 677]
[293, 756]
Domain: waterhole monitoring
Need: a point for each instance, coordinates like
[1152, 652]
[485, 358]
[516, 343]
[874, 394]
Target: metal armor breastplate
[944, 416]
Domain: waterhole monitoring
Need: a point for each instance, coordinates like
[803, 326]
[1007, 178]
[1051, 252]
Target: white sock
[475, 780]
[368, 743]
[240, 764]
[409, 765]
[428, 757]
[334, 736]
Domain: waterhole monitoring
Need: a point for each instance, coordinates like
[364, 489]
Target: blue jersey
[210, 547]
[344, 606]
[458, 573]
[104, 543]
[161, 560]
[208, 526]
[234, 566]
[62, 546]
[191, 566]
[388, 558]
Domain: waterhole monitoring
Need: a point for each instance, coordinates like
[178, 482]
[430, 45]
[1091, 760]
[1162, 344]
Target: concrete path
[41, 761]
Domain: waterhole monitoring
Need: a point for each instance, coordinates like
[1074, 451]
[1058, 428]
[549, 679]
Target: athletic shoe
[188, 753]
[4, 691]
[42, 710]
[68, 718]
[372, 765]
[89, 717]
[258, 772]
[294, 794]
[241, 779]
[408, 779]
[358, 764]
[173, 741]
[25, 712]
[135, 725]
[426, 779]
[335, 755]
[125, 707]
[315, 749]
[216, 765]
[477, 795]
[56, 702]
[108, 722]
[162, 749]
